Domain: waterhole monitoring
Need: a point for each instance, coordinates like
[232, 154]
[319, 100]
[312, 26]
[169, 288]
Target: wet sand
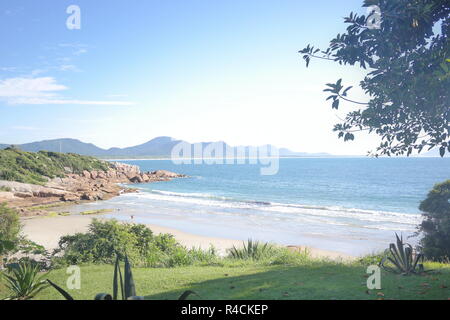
[47, 231]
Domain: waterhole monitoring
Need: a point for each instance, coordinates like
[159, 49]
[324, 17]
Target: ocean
[350, 205]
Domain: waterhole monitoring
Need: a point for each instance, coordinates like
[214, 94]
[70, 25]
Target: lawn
[314, 280]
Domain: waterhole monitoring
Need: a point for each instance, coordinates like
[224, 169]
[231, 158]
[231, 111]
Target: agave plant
[402, 259]
[24, 282]
[250, 250]
[123, 284]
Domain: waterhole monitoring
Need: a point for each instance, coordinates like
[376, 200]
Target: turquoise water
[352, 205]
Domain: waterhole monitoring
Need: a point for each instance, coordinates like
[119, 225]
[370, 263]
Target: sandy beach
[47, 231]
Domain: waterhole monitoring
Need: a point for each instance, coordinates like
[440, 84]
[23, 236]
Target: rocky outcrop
[87, 186]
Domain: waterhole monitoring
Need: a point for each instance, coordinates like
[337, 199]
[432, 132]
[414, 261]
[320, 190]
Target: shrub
[11, 240]
[253, 250]
[24, 282]
[9, 230]
[105, 239]
[401, 258]
[435, 227]
[284, 256]
[121, 284]
[101, 243]
[9, 223]
[372, 259]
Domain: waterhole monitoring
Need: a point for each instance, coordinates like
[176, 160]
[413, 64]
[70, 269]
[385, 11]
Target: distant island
[157, 148]
[160, 147]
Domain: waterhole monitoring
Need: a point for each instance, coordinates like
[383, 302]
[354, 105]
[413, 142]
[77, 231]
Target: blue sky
[195, 70]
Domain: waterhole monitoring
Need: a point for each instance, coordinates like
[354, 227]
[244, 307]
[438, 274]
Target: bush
[284, 256]
[372, 259]
[251, 250]
[24, 281]
[435, 244]
[9, 229]
[12, 241]
[105, 239]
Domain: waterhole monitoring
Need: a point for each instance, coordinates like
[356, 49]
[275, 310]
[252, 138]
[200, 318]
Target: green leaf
[186, 294]
[335, 104]
[60, 290]
[116, 280]
[130, 289]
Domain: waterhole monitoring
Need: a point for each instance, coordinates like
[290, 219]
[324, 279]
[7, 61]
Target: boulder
[86, 174]
[23, 194]
[94, 175]
[166, 174]
[137, 179]
[68, 197]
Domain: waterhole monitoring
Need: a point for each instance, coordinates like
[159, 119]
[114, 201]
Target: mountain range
[157, 147]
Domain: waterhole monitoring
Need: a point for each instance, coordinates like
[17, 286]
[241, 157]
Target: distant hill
[288, 153]
[63, 145]
[157, 147]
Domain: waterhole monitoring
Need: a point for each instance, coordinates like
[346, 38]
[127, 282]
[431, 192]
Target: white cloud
[43, 90]
[78, 48]
[24, 128]
[70, 101]
[80, 51]
[68, 67]
[29, 87]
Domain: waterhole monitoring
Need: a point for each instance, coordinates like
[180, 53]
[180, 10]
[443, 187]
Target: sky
[196, 70]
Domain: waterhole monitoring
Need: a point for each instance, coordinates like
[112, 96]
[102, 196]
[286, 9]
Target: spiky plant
[123, 284]
[402, 259]
[24, 281]
[254, 250]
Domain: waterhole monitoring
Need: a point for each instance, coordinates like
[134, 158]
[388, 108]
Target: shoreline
[47, 231]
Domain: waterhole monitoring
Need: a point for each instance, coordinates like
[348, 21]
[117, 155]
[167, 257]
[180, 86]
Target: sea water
[350, 205]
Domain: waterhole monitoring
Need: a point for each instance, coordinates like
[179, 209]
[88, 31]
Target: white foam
[334, 215]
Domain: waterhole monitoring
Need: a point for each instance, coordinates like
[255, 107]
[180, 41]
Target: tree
[436, 224]
[408, 80]
[9, 230]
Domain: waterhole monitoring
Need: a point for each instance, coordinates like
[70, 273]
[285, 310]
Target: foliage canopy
[408, 82]
[436, 224]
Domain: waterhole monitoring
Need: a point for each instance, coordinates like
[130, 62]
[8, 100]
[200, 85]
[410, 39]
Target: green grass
[95, 212]
[30, 167]
[248, 280]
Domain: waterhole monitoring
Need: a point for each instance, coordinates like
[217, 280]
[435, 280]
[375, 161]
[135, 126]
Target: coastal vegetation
[24, 281]
[401, 258]
[435, 243]
[36, 168]
[164, 269]
[9, 230]
[312, 279]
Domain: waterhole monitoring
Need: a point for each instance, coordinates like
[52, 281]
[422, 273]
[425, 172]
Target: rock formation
[89, 186]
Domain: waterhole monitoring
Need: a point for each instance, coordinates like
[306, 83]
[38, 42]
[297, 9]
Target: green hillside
[29, 167]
